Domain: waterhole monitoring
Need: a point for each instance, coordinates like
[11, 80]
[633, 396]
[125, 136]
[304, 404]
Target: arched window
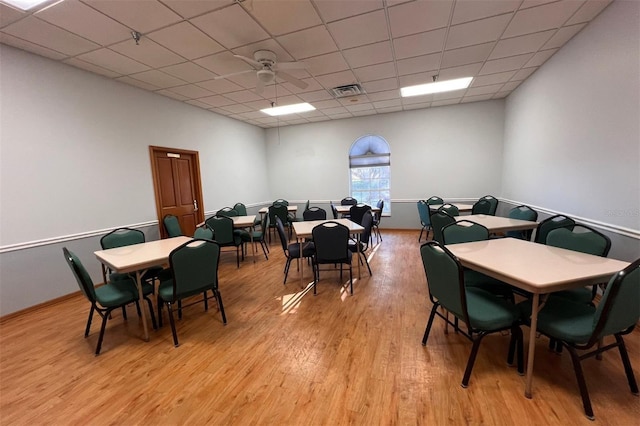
[370, 168]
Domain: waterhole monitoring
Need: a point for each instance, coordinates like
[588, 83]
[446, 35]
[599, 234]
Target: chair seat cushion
[563, 319]
[479, 280]
[116, 293]
[581, 295]
[488, 312]
[165, 291]
[127, 280]
[307, 250]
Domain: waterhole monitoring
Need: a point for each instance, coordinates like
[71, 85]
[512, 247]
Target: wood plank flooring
[288, 357]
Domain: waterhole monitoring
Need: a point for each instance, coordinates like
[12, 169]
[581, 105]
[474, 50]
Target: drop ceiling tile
[476, 32]
[364, 113]
[562, 36]
[258, 105]
[223, 63]
[376, 72]
[541, 18]
[353, 100]
[243, 96]
[140, 15]
[282, 17]
[380, 85]
[501, 95]
[510, 85]
[359, 107]
[471, 10]
[113, 61]
[191, 91]
[231, 27]
[387, 104]
[10, 40]
[186, 40]
[384, 96]
[90, 67]
[419, 16]
[388, 109]
[505, 64]
[483, 90]
[191, 8]
[360, 30]
[85, 21]
[371, 54]
[540, 58]
[325, 64]
[141, 84]
[216, 101]
[189, 72]
[588, 11]
[237, 108]
[419, 64]
[46, 35]
[147, 52]
[247, 80]
[414, 79]
[312, 86]
[9, 14]
[335, 111]
[158, 79]
[416, 105]
[520, 45]
[449, 95]
[220, 86]
[272, 91]
[444, 102]
[252, 114]
[307, 43]
[198, 103]
[318, 95]
[524, 73]
[332, 10]
[466, 55]
[459, 72]
[330, 103]
[419, 44]
[170, 94]
[270, 44]
[477, 98]
[486, 80]
[337, 79]
[339, 116]
[289, 100]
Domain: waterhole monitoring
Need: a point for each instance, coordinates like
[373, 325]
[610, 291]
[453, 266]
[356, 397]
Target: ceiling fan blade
[291, 66]
[232, 74]
[259, 86]
[291, 79]
[257, 65]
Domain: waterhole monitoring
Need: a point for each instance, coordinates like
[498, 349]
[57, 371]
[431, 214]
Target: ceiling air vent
[347, 91]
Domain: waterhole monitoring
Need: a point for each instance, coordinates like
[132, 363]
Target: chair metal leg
[216, 293]
[264, 249]
[179, 309]
[88, 327]
[429, 324]
[472, 358]
[205, 300]
[173, 325]
[159, 302]
[124, 312]
[367, 262]
[582, 384]
[627, 364]
[138, 308]
[105, 317]
[420, 237]
[153, 317]
[286, 269]
[350, 276]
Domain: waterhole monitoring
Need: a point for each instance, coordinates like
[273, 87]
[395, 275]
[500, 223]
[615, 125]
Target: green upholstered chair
[481, 311]
[440, 219]
[331, 241]
[222, 227]
[258, 235]
[292, 251]
[361, 245]
[450, 208]
[194, 270]
[104, 299]
[581, 327]
[281, 201]
[172, 226]
[203, 233]
[242, 211]
[434, 200]
[553, 222]
[492, 207]
[523, 213]
[228, 212]
[425, 218]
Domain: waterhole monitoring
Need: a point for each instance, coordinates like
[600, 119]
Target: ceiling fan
[267, 68]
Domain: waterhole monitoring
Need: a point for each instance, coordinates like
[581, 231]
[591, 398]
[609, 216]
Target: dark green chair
[242, 211]
[203, 233]
[425, 218]
[104, 299]
[551, 223]
[227, 212]
[493, 205]
[450, 208]
[258, 235]
[482, 312]
[580, 327]
[434, 200]
[440, 219]
[331, 240]
[522, 213]
[172, 226]
[292, 251]
[194, 270]
[222, 227]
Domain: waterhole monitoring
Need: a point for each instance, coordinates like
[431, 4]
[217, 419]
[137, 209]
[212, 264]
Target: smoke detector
[347, 91]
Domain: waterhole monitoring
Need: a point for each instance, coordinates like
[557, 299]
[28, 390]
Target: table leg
[532, 344]
[141, 301]
[358, 254]
[301, 263]
[253, 243]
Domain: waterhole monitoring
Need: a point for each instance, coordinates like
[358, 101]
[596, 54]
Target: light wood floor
[288, 358]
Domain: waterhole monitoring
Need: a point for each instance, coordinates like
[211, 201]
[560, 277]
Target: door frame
[197, 182]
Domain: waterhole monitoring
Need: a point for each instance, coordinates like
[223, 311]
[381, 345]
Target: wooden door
[178, 190]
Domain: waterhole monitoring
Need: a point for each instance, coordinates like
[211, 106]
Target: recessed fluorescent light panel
[288, 109]
[437, 87]
[25, 4]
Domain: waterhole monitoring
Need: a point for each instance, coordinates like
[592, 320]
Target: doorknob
[195, 206]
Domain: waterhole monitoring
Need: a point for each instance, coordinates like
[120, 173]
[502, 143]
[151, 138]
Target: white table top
[461, 207]
[345, 209]
[290, 208]
[534, 267]
[498, 223]
[303, 229]
[243, 221]
[137, 257]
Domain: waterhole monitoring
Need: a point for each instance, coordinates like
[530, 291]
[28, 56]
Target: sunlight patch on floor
[291, 302]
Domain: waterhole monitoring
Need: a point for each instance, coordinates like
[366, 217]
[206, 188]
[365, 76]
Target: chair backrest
[439, 220]
[331, 241]
[553, 222]
[314, 213]
[203, 233]
[445, 279]
[481, 207]
[618, 309]
[228, 212]
[121, 237]
[172, 226]
[434, 200]
[451, 209]
[194, 266]
[580, 238]
[278, 210]
[222, 227]
[334, 211]
[240, 208]
[367, 224]
[306, 206]
[378, 215]
[423, 212]
[80, 273]
[357, 211]
[494, 203]
[464, 231]
[348, 201]
[523, 213]
[281, 201]
[283, 237]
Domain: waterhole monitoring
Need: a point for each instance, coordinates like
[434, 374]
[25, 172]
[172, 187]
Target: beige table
[462, 208]
[304, 229]
[139, 258]
[536, 268]
[246, 222]
[498, 223]
[345, 209]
